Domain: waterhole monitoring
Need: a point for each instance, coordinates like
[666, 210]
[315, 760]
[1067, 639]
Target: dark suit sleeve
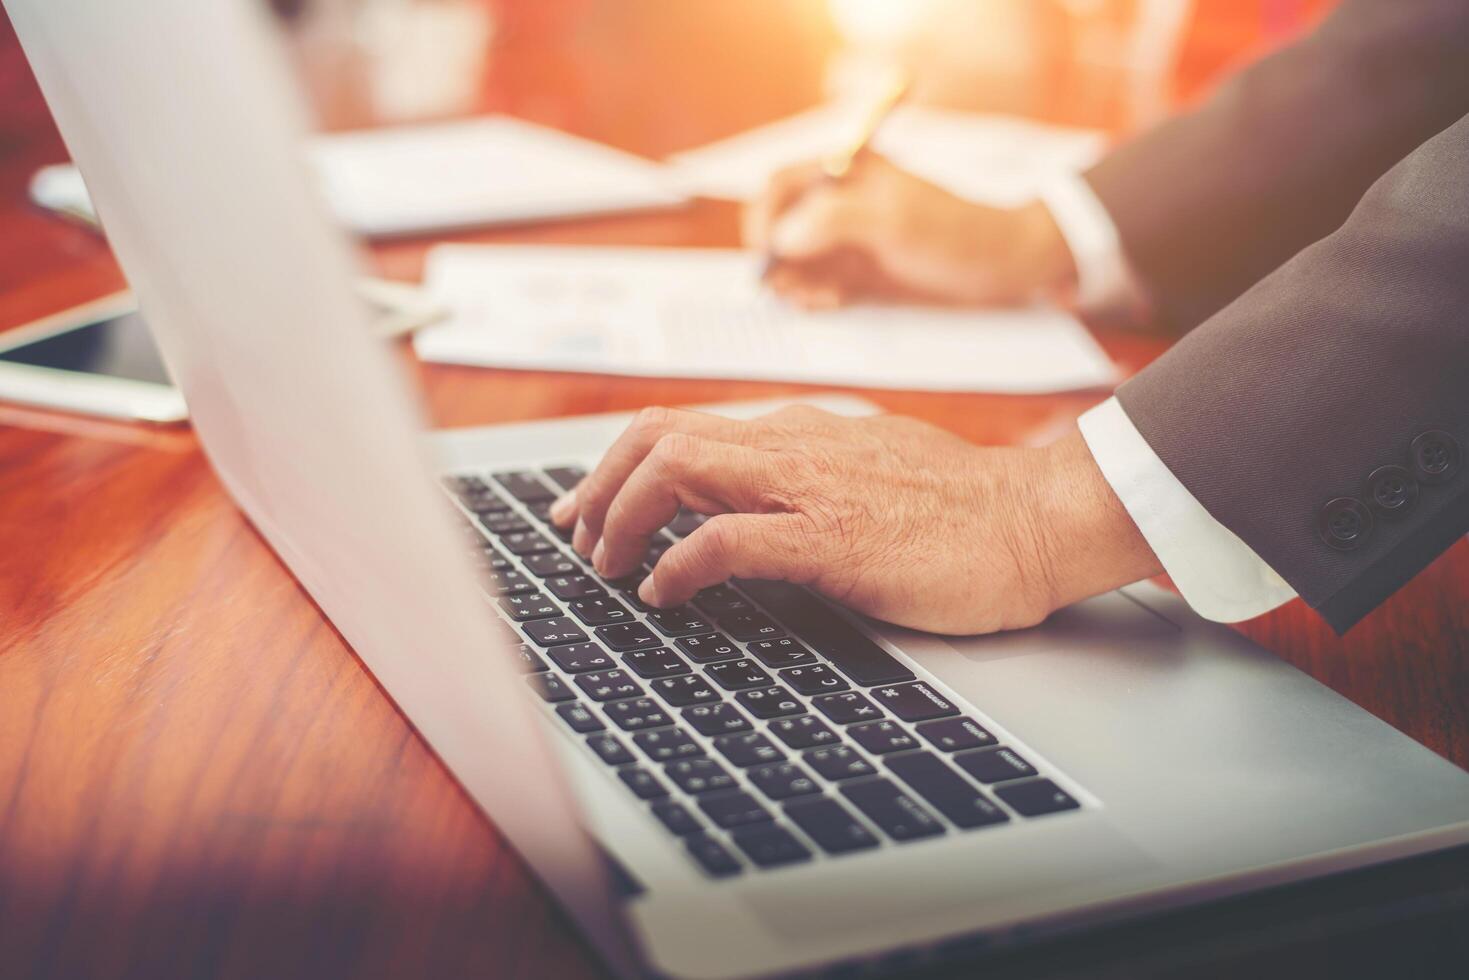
[1323, 417]
[1212, 201]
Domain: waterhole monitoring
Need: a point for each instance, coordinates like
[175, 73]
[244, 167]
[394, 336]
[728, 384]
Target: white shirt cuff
[1105, 283]
[1216, 573]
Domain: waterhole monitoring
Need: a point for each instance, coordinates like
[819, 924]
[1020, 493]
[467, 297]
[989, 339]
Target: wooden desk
[198, 779]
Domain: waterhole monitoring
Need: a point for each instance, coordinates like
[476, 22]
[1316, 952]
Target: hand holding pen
[854, 227]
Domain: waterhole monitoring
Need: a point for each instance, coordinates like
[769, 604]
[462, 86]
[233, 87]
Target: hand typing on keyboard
[889, 515]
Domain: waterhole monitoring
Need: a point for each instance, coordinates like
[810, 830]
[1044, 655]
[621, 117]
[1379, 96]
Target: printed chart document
[997, 160]
[402, 180]
[703, 313]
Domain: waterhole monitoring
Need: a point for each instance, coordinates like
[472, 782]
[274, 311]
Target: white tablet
[97, 359]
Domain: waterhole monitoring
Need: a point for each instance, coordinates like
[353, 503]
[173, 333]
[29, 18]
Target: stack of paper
[412, 179]
[703, 313]
[477, 172]
[996, 160]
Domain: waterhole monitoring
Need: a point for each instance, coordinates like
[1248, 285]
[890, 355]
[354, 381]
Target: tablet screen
[119, 347]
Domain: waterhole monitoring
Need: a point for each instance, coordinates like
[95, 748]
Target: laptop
[757, 783]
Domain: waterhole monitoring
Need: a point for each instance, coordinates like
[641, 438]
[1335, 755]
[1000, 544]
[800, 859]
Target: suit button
[1392, 491]
[1345, 523]
[1435, 457]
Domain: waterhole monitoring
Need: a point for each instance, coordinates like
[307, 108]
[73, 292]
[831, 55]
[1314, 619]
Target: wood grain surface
[198, 779]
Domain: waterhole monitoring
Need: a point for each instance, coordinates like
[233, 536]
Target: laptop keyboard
[761, 727]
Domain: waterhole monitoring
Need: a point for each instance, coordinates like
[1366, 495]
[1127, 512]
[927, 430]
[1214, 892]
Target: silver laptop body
[1179, 762]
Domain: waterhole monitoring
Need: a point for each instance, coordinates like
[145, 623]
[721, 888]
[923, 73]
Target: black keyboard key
[568, 587]
[805, 732]
[506, 522]
[628, 582]
[667, 745]
[770, 702]
[1036, 797]
[847, 708]
[577, 658]
[829, 824]
[707, 648]
[678, 621]
[485, 506]
[465, 486]
[994, 765]
[882, 737]
[747, 749]
[642, 782]
[532, 605]
[716, 719]
[782, 780]
[580, 717]
[737, 675]
[636, 714]
[554, 632]
[508, 583]
[712, 856]
[551, 563]
[745, 626]
[551, 688]
[525, 487]
[628, 636]
[631, 598]
[699, 776]
[610, 750]
[770, 845]
[955, 734]
[609, 685]
[661, 662]
[685, 522]
[565, 477]
[719, 599]
[784, 652]
[899, 815]
[828, 633]
[478, 496]
[816, 679]
[522, 543]
[914, 702]
[948, 792]
[837, 762]
[682, 691]
[529, 660]
[601, 610]
[733, 809]
[676, 818]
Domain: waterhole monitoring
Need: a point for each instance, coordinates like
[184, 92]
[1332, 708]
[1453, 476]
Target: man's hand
[891, 516]
[914, 240]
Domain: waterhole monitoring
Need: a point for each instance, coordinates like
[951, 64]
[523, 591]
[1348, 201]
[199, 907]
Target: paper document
[703, 313]
[997, 160]
[431, 177]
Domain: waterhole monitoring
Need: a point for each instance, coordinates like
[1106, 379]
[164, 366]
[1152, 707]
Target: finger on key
[563, 510]
[594, 494]
[680, 470]
[757, 546]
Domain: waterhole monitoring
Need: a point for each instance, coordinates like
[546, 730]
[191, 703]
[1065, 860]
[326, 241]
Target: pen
[838, 166]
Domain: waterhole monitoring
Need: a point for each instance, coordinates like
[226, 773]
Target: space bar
[851, 652]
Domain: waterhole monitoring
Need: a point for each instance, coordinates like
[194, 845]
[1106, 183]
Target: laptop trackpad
[1002, 873]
